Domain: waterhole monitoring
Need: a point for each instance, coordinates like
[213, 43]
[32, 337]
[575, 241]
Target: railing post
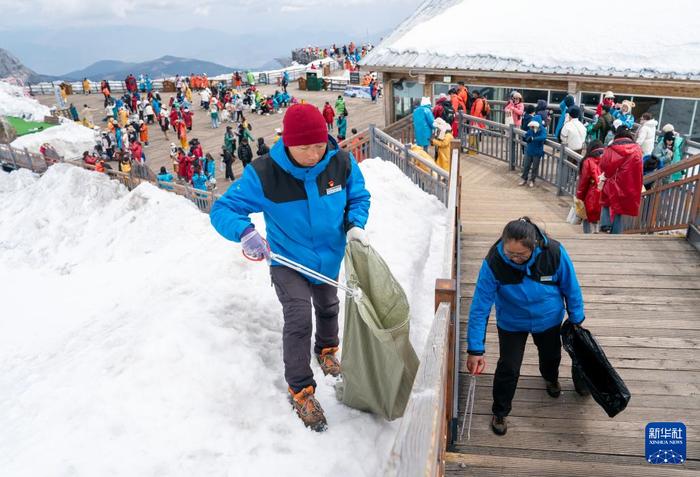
[372, 137]
[12, 155]
[511, 147]
[560, 168]
[29, 159]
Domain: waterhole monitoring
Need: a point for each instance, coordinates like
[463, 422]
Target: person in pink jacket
[514, 110]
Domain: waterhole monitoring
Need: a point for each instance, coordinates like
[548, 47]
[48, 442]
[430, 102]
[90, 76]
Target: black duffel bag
[591, 368]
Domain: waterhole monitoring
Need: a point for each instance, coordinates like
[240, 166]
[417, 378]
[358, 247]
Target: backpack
[448, 112]
[486, 110]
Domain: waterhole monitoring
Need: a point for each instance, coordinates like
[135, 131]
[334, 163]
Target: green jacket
[339, 106]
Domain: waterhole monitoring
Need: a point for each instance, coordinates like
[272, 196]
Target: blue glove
[254, 246]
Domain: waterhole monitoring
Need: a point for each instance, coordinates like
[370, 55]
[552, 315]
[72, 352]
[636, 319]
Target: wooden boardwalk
[642, 296]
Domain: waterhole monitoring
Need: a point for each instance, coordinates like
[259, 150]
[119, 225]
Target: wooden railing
[429, 422]
[401, 130]
[358, 145]
[669, 205]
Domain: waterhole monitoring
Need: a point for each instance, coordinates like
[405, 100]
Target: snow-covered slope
[13, 102]
[69, 139]
[135, 341]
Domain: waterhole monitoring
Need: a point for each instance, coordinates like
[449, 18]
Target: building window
[591, 99]
[678, 112]
[533, 95]
[407, 96]
[491, 93]
[695, 134]
[556, 97]
[646, 104]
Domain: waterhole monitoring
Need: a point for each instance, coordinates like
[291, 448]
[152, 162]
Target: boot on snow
[308, 409]
[329, 362]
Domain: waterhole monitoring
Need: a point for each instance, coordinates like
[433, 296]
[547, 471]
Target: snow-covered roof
[644, 39]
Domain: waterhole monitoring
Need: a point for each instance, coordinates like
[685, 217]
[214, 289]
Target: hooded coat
[622, 165]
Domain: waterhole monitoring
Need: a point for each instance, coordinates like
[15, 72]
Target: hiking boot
[499, 426]
[553, 389]
[531, 184]
[522, 182]
[308, 409]
[329, 362]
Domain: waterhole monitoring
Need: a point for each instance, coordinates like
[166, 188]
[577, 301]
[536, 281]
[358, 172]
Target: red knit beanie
[303, 124]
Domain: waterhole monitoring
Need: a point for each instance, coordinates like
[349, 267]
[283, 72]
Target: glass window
[490, 92]
[532, 95]
[591, 99]
[679, 113]
[619, 98]
[644, 104]
[557, 97]
[695, 135]
[407, 96]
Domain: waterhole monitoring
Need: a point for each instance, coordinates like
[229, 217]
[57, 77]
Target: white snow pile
[135, 341]
[13, 102]
[70, 139]
[546, 35]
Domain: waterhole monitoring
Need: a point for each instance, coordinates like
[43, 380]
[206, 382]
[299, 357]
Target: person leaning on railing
[532, 282]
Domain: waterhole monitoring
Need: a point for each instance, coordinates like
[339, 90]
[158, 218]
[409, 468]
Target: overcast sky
[238, 15]
[58, 36]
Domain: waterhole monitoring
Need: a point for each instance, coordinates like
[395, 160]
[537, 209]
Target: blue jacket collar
[525, 267]
[279, 154]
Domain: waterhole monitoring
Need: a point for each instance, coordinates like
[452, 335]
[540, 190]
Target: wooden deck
[642, 296]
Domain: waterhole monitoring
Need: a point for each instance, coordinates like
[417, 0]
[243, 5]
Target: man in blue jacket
[532, 281]
[313, 197]
[423, 124]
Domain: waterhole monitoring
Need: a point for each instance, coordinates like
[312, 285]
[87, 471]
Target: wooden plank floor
[642, 297]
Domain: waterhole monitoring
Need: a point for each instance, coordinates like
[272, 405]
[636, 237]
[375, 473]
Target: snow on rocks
[70, 139]
[134, 340]
[13, 102]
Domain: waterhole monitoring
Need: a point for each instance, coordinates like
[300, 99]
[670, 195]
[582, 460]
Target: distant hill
[163, 66]
[10, 66]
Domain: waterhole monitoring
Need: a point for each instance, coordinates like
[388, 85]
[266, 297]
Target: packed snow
[597, 34]
[70, 139]
[13, 102]
[136, 341]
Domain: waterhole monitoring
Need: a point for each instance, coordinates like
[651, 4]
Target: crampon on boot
[308, 409]
[329, 362]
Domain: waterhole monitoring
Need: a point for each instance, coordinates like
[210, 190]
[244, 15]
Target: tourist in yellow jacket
[442, 143]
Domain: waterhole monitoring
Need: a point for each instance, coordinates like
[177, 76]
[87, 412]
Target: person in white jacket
[573, 134]
[646, 135]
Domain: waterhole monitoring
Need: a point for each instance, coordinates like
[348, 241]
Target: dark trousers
[229, 171]
[512, 347]
[531, 165]
[296, 294]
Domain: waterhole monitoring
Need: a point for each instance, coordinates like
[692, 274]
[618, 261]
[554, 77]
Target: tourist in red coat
[328, 115]
[621, 167]
[587, 190]
[187, 117]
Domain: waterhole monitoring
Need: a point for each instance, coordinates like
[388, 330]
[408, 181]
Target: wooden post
[446, 291]
[511, 146]
[455, 145]
[371, 145]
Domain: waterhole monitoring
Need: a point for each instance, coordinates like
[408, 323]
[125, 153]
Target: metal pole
[511, 147]
[560, 168]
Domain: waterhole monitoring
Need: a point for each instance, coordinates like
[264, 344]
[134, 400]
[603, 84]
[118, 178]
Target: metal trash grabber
[354, 293]
[469, 408]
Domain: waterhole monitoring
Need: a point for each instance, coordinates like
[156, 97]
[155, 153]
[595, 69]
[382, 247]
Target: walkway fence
[273, 77]
[12, 158]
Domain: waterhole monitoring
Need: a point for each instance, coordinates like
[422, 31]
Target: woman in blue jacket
[423, 123]
[532, 281]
